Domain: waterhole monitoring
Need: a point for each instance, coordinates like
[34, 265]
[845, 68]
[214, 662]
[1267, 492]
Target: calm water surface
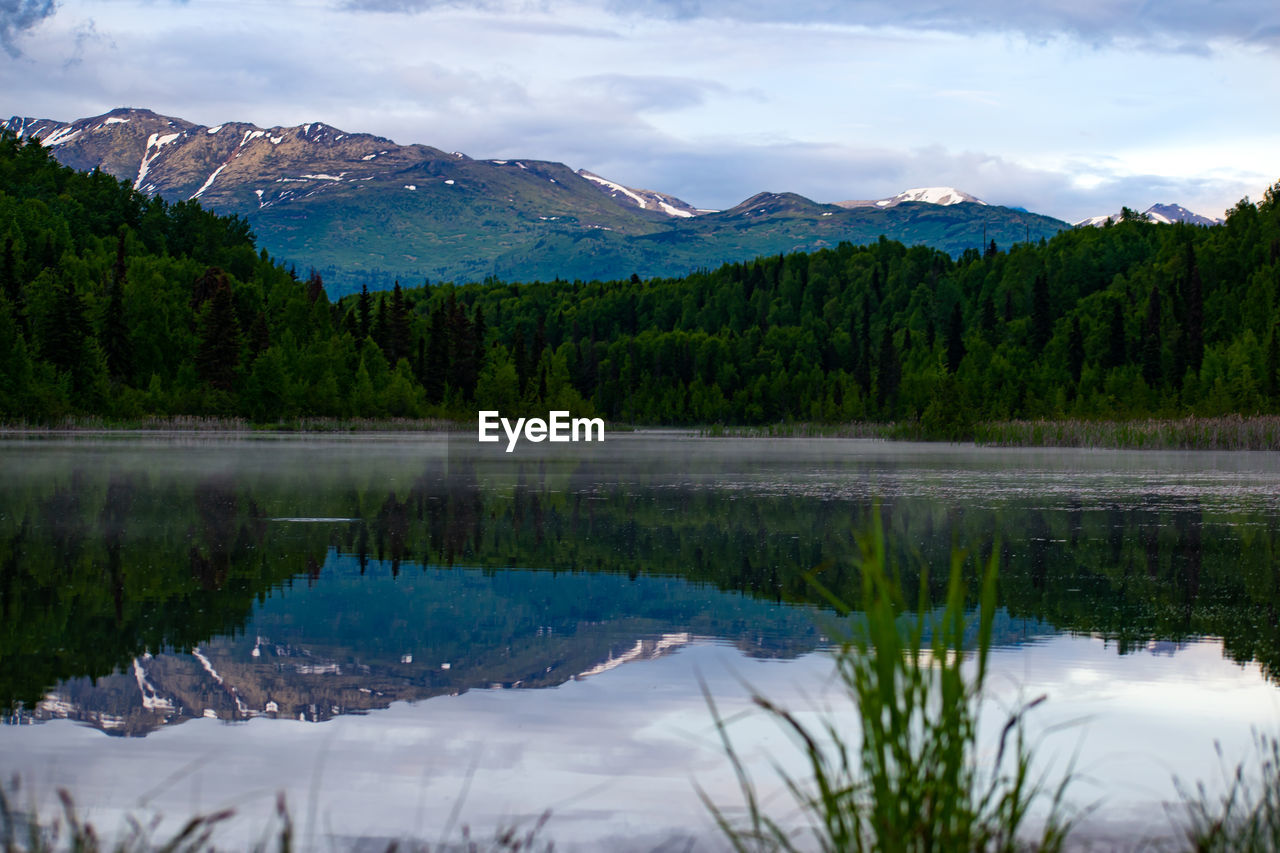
[396, 630]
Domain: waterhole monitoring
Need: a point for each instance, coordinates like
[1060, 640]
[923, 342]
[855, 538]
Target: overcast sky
[1066, 107]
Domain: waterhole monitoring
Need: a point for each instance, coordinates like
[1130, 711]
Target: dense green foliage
[121, 305]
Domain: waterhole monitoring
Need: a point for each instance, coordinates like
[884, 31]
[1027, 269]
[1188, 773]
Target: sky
[1066, 107]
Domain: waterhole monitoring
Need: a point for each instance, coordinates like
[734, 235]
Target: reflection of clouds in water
[620, 752]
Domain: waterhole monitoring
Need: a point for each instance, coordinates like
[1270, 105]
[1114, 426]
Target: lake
[409, 634]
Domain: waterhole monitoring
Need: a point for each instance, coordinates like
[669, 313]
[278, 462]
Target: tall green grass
[911, 779]
[1246, 815]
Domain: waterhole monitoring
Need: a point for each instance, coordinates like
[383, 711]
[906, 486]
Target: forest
[122, 306]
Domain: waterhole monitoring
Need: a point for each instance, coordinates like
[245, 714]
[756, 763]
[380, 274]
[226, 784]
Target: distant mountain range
[362, 209]
[1165, 214]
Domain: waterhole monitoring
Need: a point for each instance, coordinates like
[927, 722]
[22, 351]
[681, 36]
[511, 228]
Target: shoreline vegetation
[1230, 432]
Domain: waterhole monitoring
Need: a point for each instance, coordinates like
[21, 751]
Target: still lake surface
[408, 634]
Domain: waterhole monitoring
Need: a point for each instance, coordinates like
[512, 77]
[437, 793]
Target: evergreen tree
[9, 286]
[399, 334]
[218, 354]
[1075, 350]
[66, 336]
[438, 366]
[1194, 299]
[315, 287]
[205, 286]
[988, 317]
[381, 328]
[259, 335]
[116, 346]
[364, 312]
[955, 339]
[889, 375]
[1152, 369]
[1041, 313]
[1117, 345]
[520, 360]
[863, 374]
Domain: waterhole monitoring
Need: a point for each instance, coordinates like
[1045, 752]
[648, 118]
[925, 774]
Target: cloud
[18, 16]
[653, 92]
[1168, 24]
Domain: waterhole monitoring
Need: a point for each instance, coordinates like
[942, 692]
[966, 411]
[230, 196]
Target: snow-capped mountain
[928, 195]
[364, 210]
[643, 199]
[1164, 214]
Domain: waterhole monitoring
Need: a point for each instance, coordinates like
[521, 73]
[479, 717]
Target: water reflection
[144, 583]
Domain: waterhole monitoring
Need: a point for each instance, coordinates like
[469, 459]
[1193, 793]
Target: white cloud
[713, 103]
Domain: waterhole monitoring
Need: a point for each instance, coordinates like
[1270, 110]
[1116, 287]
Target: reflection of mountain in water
[117, 570]
[358, 640]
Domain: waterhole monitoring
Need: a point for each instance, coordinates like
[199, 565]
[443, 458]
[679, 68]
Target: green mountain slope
[364, 210]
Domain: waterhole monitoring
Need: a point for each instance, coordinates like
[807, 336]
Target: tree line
[116, 304]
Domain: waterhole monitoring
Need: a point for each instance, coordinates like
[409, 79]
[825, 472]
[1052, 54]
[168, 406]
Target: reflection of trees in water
[136, 565]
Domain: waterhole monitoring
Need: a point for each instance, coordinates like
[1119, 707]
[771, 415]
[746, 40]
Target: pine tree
[399, 335]
[116, 346]
[438, 366]
[1117, 345]
[259, 335]
[521, 361]
[1152, 369]
[66, 335]
[315, 287]
[205, 286]
[464, 372]
[1041, 316]
[955, 339]
[1194, 299]
[364, 312]
[988, 323]
[218, 355]
[1075, 350]
[9, 271]
[381, 328]
[478, 332]
[890, 372]
[864, 346]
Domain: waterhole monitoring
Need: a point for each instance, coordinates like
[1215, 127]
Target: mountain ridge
[363, 209]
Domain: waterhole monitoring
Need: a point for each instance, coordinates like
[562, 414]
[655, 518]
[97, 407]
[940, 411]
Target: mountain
[929, 195]
[643, 199]
[1165, 214]
[365, 210]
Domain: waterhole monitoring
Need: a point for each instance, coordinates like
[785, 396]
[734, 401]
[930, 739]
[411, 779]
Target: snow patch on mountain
[208, 182]
[1162, 214]
[643, 199]
[617, 188]
[157, 142]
